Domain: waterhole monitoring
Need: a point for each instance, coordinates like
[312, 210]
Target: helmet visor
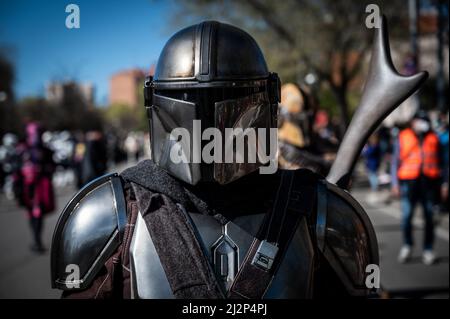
[165, 124]
[244, 125]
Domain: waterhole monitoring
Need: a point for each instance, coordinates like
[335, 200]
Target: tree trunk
[340, 94]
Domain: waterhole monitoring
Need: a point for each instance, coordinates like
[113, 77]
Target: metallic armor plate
[225, 247]
[210, 52]
[88, 231]
[294, 277]
[350, 241]
[148, 279]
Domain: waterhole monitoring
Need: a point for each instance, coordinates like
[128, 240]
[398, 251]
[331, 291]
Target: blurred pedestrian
[386, 145]
[131, 145]
[299, 145]
[443, 134]
[35, 178]
[325, 134]
[416, 177]
[95, 157]
[9, 164]
[77, 160]
[372, 155]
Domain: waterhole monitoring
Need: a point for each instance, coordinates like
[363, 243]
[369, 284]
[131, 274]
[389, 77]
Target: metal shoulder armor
[345, 237]
[88, 231]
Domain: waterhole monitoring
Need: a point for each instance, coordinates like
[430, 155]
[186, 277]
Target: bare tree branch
[272, 21]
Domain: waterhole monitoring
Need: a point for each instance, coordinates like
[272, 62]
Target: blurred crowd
[309, 137]
[76, 157]
[416, 155]
[410, 158]
[30, 166]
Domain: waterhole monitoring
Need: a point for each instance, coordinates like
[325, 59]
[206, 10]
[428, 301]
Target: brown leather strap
[251, 282]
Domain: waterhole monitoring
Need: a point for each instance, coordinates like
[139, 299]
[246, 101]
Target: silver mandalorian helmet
[211, 77]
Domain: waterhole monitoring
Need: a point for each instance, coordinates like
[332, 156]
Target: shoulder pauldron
[346, 237]
[88, 231]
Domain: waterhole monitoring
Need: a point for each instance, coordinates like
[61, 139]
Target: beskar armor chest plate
[225, 247]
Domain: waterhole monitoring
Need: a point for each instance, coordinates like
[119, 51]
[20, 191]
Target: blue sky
[113, 35]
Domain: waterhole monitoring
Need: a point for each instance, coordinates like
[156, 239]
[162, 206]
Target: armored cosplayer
[210, 215]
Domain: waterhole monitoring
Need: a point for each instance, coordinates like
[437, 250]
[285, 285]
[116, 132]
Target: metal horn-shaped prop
[384, 90]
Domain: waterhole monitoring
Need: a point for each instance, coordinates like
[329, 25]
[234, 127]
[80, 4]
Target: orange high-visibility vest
[415, 158]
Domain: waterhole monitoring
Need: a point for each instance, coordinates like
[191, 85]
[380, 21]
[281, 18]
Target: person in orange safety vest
[416, 176]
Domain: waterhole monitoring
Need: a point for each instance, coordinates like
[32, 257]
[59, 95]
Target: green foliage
[327, 101]
[69, 115]
[142, 122]
[121, 117]
[126, 118]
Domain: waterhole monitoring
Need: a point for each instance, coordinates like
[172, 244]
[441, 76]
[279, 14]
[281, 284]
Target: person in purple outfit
[35, 178]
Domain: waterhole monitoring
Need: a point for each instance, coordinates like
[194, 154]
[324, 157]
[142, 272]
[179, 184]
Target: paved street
[26, 275]
[413, 279]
